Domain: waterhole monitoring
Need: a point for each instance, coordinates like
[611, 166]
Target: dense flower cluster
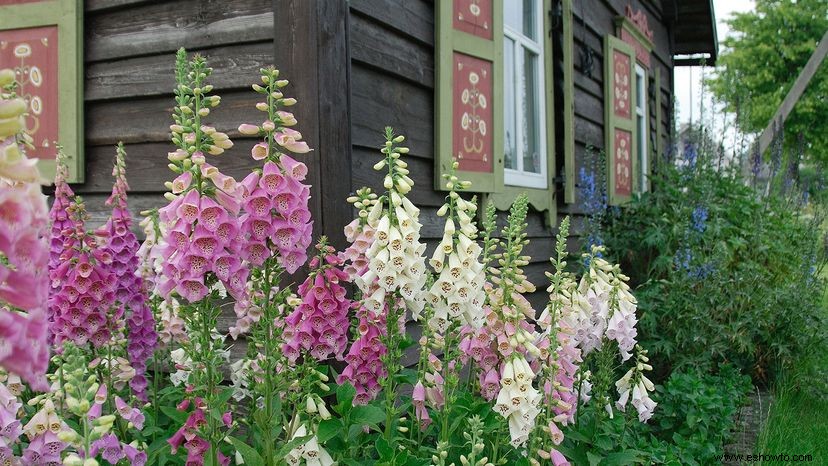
[121, 243]
[276, 219]
[23, 249]
[319, 325]
[457, 293]
[611, 308]
[83, 288]
[202, 238]
[365, 355]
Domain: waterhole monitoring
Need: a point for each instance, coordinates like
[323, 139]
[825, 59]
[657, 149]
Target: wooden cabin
[515, 90]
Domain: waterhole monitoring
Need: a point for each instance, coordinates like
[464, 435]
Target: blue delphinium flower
[691, 154]
[682, 258]
[699, 223]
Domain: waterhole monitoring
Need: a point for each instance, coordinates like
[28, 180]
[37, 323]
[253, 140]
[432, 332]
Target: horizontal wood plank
[162, 27]
[379, 100]
[149, 120]
[234, 67]
[382, 48]
[412, 17]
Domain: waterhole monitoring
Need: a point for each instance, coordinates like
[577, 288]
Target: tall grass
[798, 419]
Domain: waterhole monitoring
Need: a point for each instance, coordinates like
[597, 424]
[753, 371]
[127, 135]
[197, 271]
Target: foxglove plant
[319, 326]
[276, 219]
[560, 356]
[121, 243]
[23, 248]
[364, 358]
[509, 328]
[396, 260]
[456, 297]
[83, 287]
[203, 245]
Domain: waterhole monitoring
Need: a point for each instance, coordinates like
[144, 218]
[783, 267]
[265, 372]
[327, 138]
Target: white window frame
[641, 133]
[518, 177]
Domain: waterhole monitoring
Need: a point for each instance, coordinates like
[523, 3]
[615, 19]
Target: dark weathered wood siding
[392, 66]
[129, 55]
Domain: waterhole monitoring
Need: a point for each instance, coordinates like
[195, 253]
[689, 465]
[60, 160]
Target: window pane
[510, 153]
[520, 16]
[639, 91]
[530, 113]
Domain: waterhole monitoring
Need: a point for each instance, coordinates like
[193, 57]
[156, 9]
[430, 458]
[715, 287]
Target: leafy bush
[723, 274]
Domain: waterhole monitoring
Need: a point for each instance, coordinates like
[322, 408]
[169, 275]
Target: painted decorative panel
[472, 113]
[619, 119]
[622, 159]
[41, 40]
[642, 53]
[473, 17]
[33, 55]
[622, 98]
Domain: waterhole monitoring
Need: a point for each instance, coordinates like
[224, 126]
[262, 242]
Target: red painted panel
[33, 54]
[641, 52]
[473, 17]
[472, 113]
[621, 84]
[622, 159]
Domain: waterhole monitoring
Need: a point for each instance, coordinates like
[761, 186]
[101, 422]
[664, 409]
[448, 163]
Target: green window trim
[490, 185]
[568, 104]
[67, 15]
[449, 40]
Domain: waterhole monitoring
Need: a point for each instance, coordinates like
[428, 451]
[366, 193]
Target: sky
[690, 97]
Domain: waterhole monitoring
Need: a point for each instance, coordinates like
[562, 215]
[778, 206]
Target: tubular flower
[149, 254]
[83, 286]
[364, 358]
[24, 250]
[457, 295]
[42, 432]
[518, 400]
[610, 307]
[310, 451]
[276, 219]
[121, 243]
[319, 325]
[634, 382]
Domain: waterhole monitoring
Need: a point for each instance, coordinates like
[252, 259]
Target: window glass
[531, 130]
[641, 126]
[510, 138]
[520, 16]
[524, 133]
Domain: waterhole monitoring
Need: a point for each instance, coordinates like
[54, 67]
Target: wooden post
[311, 50]
[794, 94]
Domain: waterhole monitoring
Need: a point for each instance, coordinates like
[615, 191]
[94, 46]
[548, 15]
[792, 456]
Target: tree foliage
[762, 58]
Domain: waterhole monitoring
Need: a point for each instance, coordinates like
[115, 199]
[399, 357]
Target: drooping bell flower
[83, 288]
[319, 325]
[24, 250]
[276, 219]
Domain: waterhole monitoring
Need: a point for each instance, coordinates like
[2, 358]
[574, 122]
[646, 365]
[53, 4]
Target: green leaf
[179, 417]
[250, 455]
[345, 394]
[623, 458]
[328, 429]
[385, 451]
[367, 415]
[594, 459]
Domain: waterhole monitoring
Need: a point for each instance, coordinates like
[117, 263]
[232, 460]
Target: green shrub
[724, 275]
